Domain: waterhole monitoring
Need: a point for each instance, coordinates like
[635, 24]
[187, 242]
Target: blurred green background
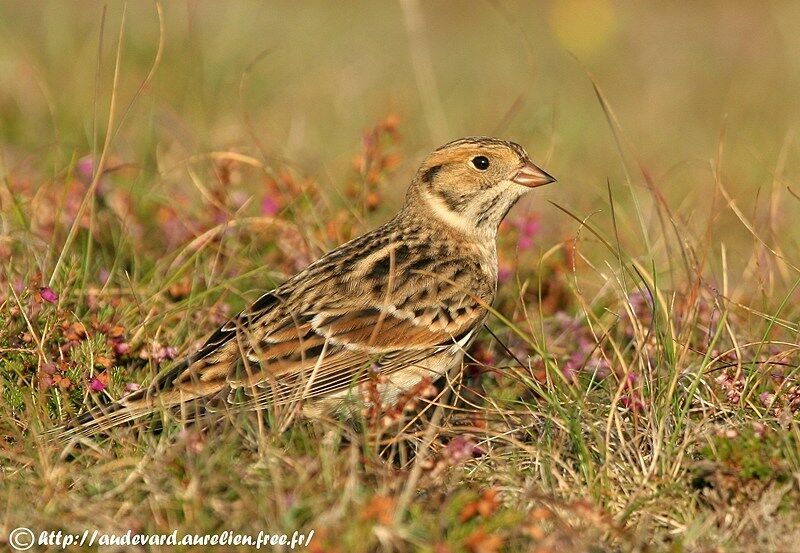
[302, 80]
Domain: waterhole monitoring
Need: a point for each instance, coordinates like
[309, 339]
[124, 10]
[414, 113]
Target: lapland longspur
[403, 301]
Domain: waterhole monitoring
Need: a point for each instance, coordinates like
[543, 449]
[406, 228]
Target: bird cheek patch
[430, 173]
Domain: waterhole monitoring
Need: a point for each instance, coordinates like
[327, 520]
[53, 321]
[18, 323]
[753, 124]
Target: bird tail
[133, 407]
[99, 420]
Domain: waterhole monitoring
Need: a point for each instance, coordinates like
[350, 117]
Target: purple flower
[96, 385]
[48, 295]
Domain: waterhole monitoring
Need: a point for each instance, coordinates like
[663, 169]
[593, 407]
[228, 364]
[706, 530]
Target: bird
[402, 302]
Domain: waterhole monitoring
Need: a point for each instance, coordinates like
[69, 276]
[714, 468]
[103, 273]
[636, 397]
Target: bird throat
[480, 215]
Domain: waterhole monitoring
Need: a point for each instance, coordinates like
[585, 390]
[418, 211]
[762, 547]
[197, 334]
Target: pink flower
[528, 227]
[220, 313]
[85, 168]
[158, 353]
[48, 295]
[131, 387]
[122, 348]
[504, 272]
[170, 352]
[462, 447]
[632, 401]
[573, 366]
[96, 385]
[220, 217]
[173, 229]
[46, 373]
[45, 381]
[269, 206]
[602, 368]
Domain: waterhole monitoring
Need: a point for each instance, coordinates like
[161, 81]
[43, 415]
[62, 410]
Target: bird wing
[285, 346]
[322, 352]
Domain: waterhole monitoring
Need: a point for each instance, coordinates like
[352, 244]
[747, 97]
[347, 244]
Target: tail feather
[156, 397]
[99, 421]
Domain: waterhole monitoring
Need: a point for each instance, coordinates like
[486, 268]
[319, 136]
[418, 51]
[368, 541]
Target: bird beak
[532, 176]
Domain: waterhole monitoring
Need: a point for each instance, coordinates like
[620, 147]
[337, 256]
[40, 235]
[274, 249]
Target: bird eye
[481, 163]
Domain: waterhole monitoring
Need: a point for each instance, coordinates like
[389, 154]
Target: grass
[637, 386]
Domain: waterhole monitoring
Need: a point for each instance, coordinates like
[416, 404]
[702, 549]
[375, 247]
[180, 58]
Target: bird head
[471, 183]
